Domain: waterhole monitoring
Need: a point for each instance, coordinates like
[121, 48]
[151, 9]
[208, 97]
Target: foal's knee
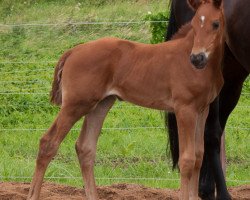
[86, 154]
[187, 164]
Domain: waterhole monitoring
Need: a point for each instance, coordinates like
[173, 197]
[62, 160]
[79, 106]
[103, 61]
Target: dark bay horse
[236, 69]
[182, 76]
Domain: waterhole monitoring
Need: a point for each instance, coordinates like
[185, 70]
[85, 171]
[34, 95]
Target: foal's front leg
[186, 122]
[199, 151]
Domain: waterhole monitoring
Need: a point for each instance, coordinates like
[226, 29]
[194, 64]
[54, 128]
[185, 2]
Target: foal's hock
[182, 76]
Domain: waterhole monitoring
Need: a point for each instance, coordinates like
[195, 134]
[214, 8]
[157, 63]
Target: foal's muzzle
[199, 60]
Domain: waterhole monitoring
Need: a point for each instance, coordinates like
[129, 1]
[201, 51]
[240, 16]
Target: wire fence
[25, 76]
[27, 62]
[106, 128]
[117, 106]
[81, 23]
[112, 178]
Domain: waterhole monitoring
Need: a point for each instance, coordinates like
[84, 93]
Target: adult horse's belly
[237, 14]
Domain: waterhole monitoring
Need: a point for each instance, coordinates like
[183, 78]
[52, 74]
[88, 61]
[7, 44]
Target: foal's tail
[56, 92]
[170, 119]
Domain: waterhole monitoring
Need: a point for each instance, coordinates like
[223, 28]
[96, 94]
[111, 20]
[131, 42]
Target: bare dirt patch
[52, 191]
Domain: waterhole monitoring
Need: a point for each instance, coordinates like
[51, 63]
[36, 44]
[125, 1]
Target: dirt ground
[52, 191]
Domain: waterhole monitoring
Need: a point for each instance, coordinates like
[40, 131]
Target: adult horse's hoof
[204, 196]
[224, 197]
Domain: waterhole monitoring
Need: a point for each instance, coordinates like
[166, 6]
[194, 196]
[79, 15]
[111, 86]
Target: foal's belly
[149, 99]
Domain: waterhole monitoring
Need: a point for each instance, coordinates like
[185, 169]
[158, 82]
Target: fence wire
[81, 23]
[24, 73]
[111, 178]
[106, 128]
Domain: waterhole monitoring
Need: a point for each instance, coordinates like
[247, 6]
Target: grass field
[132, 146]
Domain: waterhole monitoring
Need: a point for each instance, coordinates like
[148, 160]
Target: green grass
[133, 153]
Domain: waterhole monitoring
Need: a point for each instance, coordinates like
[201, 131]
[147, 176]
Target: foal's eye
[216, 25]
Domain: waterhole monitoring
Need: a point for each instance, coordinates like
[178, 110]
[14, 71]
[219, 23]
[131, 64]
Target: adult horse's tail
[56, 92]
[170, 119]
[172, 27]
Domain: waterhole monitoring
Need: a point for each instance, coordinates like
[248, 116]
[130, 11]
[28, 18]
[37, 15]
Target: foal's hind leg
[86, 144]
[50, 142]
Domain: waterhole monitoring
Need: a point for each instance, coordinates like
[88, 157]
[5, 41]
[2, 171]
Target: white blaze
[202, 21]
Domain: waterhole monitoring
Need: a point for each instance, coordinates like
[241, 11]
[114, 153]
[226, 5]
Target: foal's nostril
[198, 60]
[201, 57]
[192, 58]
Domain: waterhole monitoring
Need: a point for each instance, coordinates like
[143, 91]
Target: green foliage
[7, 8]
[158, 26]
[246, 85]
[121, 153]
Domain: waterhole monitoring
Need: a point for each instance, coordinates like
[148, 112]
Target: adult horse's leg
[223, 158]
[212, 144]
[50, 142]
[199, 151]
[186, 121]
[229, 97]
[86, 144]
[231, 90]
[220, 109]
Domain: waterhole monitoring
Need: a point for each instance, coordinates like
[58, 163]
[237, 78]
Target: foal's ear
[194, 4]
[217, 3]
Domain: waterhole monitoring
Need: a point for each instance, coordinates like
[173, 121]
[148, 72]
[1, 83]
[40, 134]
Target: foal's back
[112, 66]
[144, 74]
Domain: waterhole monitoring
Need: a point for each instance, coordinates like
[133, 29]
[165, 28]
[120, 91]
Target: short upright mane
[182, 32]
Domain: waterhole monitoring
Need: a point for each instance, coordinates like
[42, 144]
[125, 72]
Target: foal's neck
[182, 32]
[184, 39]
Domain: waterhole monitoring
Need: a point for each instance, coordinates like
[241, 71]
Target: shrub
[158, 26]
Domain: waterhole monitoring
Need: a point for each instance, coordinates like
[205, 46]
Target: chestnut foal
[89, 77]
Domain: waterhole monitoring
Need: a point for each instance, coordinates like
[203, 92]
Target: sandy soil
[52, 191]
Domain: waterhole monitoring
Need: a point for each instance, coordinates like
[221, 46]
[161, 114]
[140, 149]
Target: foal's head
[208, 27]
